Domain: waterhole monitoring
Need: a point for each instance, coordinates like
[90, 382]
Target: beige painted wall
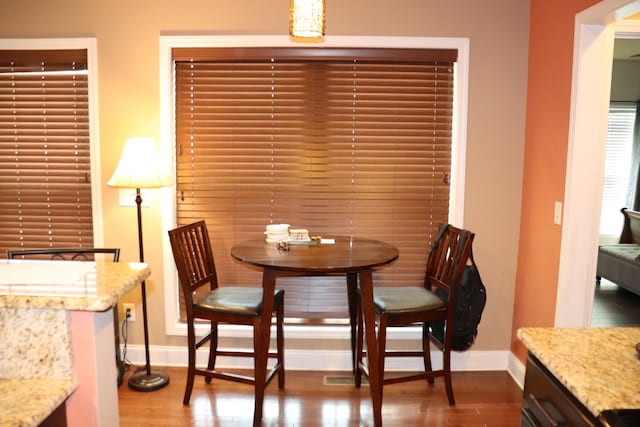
[127, 37]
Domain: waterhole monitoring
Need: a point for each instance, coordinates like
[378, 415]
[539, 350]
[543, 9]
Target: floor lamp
[140, 167]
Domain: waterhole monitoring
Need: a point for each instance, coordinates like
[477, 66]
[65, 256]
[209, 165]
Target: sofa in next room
[620, 263]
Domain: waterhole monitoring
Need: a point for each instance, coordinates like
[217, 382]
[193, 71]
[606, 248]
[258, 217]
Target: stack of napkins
[277, 233]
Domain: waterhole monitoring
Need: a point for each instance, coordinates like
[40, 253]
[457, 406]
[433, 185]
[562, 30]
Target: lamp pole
[145, 380]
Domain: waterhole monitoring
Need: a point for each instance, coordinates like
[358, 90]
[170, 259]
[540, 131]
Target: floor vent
[343, 380]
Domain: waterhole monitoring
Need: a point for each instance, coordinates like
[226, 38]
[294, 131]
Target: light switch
[557, 213]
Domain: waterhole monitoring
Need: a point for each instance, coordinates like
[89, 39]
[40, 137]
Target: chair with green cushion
[418, 306]
[237, 305]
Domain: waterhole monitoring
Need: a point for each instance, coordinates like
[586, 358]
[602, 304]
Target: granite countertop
[37, 375]
[599, 366]
[65, 285]
[37, 371]
[28, 402]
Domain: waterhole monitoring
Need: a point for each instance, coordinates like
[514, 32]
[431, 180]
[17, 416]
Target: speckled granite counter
[29, 402]
[64, 285]
[599, 366]
[38, 365]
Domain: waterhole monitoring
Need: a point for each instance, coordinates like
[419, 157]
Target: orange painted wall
[546, 143]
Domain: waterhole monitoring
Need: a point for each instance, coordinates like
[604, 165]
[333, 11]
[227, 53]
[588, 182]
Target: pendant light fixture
[306, 19]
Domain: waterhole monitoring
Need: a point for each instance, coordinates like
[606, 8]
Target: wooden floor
[483, 399]
[614, 306]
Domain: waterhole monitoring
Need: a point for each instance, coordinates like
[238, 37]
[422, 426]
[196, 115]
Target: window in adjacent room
[338, 141]
[45, 185]
[616, 187]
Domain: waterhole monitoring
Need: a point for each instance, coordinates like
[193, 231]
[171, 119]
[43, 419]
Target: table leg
[262, 338]
[352, 298]
[375, 377]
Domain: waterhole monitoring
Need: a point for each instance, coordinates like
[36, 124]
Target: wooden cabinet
[546, 402]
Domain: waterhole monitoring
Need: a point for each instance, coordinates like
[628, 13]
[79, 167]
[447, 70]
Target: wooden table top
[347, 254]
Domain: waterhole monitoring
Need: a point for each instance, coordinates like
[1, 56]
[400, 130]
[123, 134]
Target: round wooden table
[352, 256]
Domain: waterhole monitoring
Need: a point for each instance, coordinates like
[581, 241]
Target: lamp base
[140, 381]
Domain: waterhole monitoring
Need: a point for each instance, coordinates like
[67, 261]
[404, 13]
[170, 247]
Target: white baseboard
[517, 370]
[336, 360]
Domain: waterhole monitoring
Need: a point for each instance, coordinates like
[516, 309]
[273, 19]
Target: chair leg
[191, 371]
[446, 366]
[280, 341]
[382, 348]
[359, 343]
[426, 351]
[213, 351]
[259, 383]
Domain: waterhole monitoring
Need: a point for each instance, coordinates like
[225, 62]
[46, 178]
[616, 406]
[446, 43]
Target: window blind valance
[352, 142]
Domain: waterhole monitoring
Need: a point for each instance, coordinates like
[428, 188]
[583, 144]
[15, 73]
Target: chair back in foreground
[420, 305]
[238, 305]
[64, 254]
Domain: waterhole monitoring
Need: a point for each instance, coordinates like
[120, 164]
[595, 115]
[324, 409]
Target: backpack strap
[463, 239]
[441, 230]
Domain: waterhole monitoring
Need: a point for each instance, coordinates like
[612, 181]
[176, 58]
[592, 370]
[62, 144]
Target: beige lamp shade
[306, 18]
[140, 166]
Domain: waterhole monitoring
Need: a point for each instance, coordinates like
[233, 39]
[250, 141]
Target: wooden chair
[79, 254]
[236, 305]
[419, 305]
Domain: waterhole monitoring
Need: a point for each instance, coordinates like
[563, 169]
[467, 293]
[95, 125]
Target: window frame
[90, 45]
[167, 142]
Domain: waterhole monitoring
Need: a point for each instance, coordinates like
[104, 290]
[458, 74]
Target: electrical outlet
[129, 312]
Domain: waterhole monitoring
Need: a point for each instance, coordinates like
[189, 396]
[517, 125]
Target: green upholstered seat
[405, 298]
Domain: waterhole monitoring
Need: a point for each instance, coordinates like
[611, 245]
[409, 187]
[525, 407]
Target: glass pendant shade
[306, 18]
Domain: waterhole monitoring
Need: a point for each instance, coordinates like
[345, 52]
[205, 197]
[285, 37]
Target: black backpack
[471, 297]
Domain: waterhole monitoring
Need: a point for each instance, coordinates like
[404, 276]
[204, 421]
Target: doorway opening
[593, 56]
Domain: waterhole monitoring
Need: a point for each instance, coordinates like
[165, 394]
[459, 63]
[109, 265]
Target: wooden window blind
[338, 141]
[45, 188]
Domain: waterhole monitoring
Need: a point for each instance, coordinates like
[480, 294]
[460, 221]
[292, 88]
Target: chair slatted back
[448, 257]
[64, 254]
[194, 258]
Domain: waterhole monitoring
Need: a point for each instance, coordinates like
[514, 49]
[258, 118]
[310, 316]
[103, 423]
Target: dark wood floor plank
[614, 306]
